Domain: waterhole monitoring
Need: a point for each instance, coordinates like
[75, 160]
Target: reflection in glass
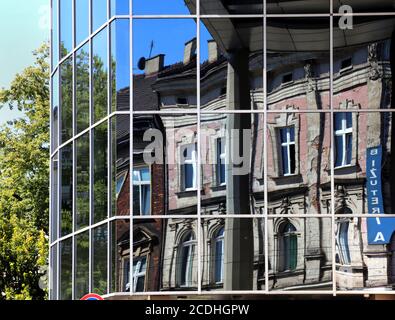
[66, 16]
[55, 34]
[81, 20]
[159, 7]
[120, 149]
[54, 197]
[186, 260]
[66, 107]
[99, 13]
[55, 111]
[119, 7]
[120, 256]
[81, 287]
[141, 191]
[82, 182]
[66, 165]
[231, 7]
[99, 260]
[100, 173]
[82, 88]
[99, 75]
[53, 294]
[120, 68]
[65, 285]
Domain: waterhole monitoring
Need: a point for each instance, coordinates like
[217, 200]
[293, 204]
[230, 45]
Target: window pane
[136, 200]
[53, 294]
[82, 265]
[349, 148]
[54, 198]
[100, 173]
[293, 251]
[189, 176]
[100, 75]
[120, 64]
[339, 151]
[292, 133]
[339, 121]
[284, 153]
[81, 20]
[99, 13]
[66, 82]
[349, 119]
[99, 260]
[283, 135]
[219, 260]
[55, 111]
[66, 156]
[157, 7]
[82, 88]
[145, 175]
[55, 35]
[146, 199]
[292, 157]
[82, 205]
[65, 270]
[66, 16]
[119, 7]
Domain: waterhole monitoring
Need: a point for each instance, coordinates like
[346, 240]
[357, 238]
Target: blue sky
[24, 25]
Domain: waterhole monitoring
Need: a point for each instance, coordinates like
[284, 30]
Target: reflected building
[245, 180]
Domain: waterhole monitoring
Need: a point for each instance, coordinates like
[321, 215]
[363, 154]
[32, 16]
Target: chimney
[154, 64]
[189, 50]
[213, 53]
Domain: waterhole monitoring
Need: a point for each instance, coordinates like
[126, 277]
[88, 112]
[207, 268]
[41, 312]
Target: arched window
[288, 247]
[186, 257]
[218, 247]
[343, 247]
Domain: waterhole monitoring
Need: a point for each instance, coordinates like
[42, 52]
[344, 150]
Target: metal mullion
[131, 96]
[332, 164]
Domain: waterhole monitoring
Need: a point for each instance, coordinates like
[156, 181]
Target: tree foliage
[24, 182]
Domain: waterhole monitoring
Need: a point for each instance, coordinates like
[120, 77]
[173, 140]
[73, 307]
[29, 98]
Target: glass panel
[159, 7]
[136, 200]
[367, 184]
[100, 184]
[81, 20]
[295, 7]
[55, 111]
[66, 16]
[120, 64]
[219, 260]
[120, 149]
[99, 13]
[100, 75]
[363, 6]
[82, 88]
[290, 246]
[156, 59]
[53, 294]
[55, 33]
[284, 157]
[218, 35]
[231, 7]
[120, 256]
[66, 223]
[82, 186]
[119, 7]
[66, 108]
[298, 61]
[81, 265]
[99, 260]
[339, 120]
[365, 270]
[65, 286]
[54, 198]
[146, 199]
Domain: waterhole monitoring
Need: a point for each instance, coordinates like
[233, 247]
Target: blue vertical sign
[379, 229]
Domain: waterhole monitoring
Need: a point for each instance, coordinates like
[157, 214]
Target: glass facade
[209, 147]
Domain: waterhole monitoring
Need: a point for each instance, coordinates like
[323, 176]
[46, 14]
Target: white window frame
[141, 183]
[137, 273]
[343, 132]
[287, 144]
[219, 238]
[192, 161]
[189, 243]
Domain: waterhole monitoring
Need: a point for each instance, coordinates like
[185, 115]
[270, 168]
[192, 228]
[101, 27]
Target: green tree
[24, 182]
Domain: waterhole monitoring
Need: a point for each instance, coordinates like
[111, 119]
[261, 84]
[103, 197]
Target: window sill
[289, 179]
[219, 188]
[348, 169]
[188, 193]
